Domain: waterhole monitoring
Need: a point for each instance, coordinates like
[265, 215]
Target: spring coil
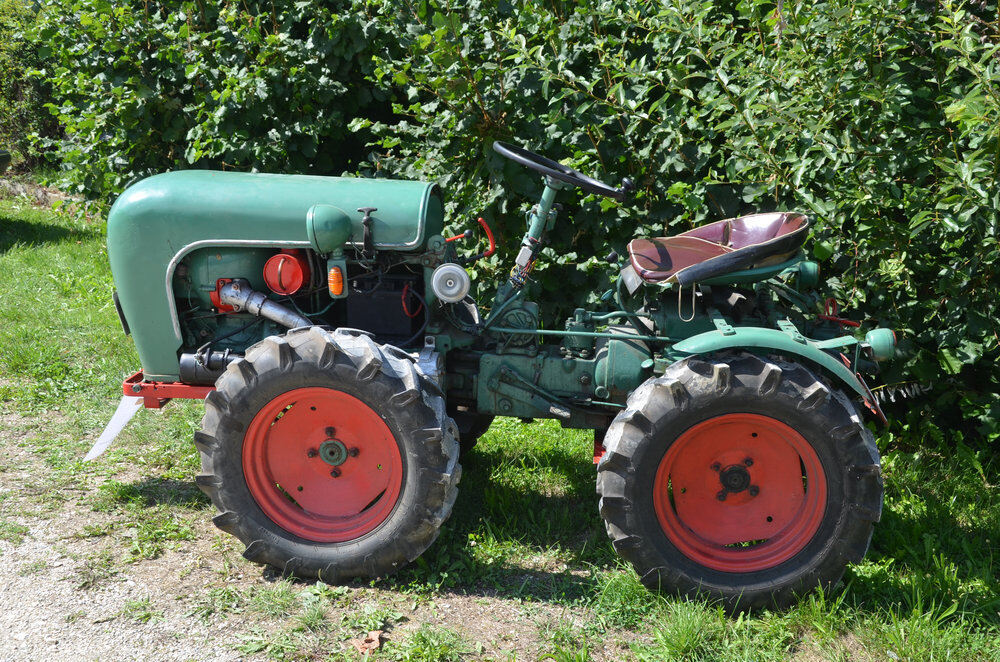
[901, 391]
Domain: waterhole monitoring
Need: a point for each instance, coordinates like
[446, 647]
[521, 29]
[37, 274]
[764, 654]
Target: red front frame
[156, 394]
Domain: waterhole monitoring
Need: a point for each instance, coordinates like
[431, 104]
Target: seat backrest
[744, 231]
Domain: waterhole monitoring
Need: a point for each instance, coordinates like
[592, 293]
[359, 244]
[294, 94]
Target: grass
[13, 532]
[140, 611]
[525, 536]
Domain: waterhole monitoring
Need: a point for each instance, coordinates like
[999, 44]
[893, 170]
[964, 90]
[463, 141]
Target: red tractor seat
[719, 248]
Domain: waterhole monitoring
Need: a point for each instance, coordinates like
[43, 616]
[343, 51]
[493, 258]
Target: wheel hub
[333, 452]
[735, 478]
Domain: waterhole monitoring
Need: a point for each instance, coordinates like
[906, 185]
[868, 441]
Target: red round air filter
[285, 272]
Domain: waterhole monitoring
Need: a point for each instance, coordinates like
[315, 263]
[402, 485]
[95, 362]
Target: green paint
[747, 337]
[158, 220]
[882, 343]
[328, 229]
[754, 275]
[622, 364]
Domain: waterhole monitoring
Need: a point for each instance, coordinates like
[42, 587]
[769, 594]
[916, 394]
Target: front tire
[742, 479]
[328, 455]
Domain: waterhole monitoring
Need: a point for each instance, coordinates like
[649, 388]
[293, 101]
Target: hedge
[22, 97]
[142, 87]
[879, 119]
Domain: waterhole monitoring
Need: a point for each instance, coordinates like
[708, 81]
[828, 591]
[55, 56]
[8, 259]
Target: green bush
[142, 87]
[22, 98]
[881, 119]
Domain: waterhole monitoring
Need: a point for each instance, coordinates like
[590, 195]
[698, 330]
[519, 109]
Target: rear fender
[782, 342]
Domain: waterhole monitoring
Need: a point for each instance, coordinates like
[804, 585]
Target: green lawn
[525, 535]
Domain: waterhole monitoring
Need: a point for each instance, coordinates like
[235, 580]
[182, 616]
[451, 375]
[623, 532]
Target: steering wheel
[556, 170]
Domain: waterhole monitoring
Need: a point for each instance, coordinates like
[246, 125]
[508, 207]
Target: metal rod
[600, 317]
[579, 334]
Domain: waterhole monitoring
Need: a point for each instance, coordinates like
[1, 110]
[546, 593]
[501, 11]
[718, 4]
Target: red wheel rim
[322, 465]
[773, 485]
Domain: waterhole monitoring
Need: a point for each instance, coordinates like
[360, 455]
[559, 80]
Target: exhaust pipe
[206, 367]
[241, 296]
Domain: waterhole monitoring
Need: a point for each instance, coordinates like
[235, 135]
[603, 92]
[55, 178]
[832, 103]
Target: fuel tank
[158, 221]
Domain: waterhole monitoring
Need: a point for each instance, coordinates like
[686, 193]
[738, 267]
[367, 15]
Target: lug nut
[353, 452]
[335, 472]
[721, 496]
[716, 467]
[331, 431]
[748, 461]
[312, 452]
[754, 490]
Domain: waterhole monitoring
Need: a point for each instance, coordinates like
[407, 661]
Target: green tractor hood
[159, 220]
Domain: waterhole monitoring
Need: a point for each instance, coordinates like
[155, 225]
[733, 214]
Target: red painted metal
[830, 309]
[287, 271]
[745, 532]
[217, 299]
[465, 235]
[489, 235]
[156, 394]
[599, 449]
[299, 490]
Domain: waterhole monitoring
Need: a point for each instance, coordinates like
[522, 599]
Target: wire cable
[427, 319]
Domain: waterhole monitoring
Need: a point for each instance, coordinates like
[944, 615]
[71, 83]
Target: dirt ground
[71, 593]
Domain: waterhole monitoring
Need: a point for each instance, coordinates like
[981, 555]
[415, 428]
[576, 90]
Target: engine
[336, 251]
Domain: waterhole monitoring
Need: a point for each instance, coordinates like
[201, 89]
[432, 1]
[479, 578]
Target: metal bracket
[157, 394]
[788, 328]
[512, 385]
[430, 363]
[721, 324]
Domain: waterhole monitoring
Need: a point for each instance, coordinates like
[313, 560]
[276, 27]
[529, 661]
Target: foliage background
[141, 87]
[880, 119]
[22, 96]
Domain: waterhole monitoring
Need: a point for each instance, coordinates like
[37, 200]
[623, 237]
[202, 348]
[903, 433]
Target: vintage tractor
[327, 324]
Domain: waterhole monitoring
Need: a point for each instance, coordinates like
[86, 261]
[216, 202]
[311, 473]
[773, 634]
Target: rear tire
[741, 479]
[328, 455]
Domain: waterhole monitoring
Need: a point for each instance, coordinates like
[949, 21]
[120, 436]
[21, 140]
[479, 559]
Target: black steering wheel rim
[556, 170]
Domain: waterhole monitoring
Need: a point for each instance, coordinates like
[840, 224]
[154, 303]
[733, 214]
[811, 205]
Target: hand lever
[368, 248]
[465, 235]
[627, 188]
[489, 235]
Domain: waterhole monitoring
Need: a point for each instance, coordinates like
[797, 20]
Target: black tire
[695, 390]
[471, 426]
[382, 377]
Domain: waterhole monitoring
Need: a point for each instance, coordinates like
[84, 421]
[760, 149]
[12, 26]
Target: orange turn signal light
[335, 280]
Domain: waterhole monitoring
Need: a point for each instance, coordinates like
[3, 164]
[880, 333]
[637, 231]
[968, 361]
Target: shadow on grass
[15, 232]
[153, 492]
[513, 541]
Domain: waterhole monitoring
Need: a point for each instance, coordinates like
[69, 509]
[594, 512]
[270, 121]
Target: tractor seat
[716, 249]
